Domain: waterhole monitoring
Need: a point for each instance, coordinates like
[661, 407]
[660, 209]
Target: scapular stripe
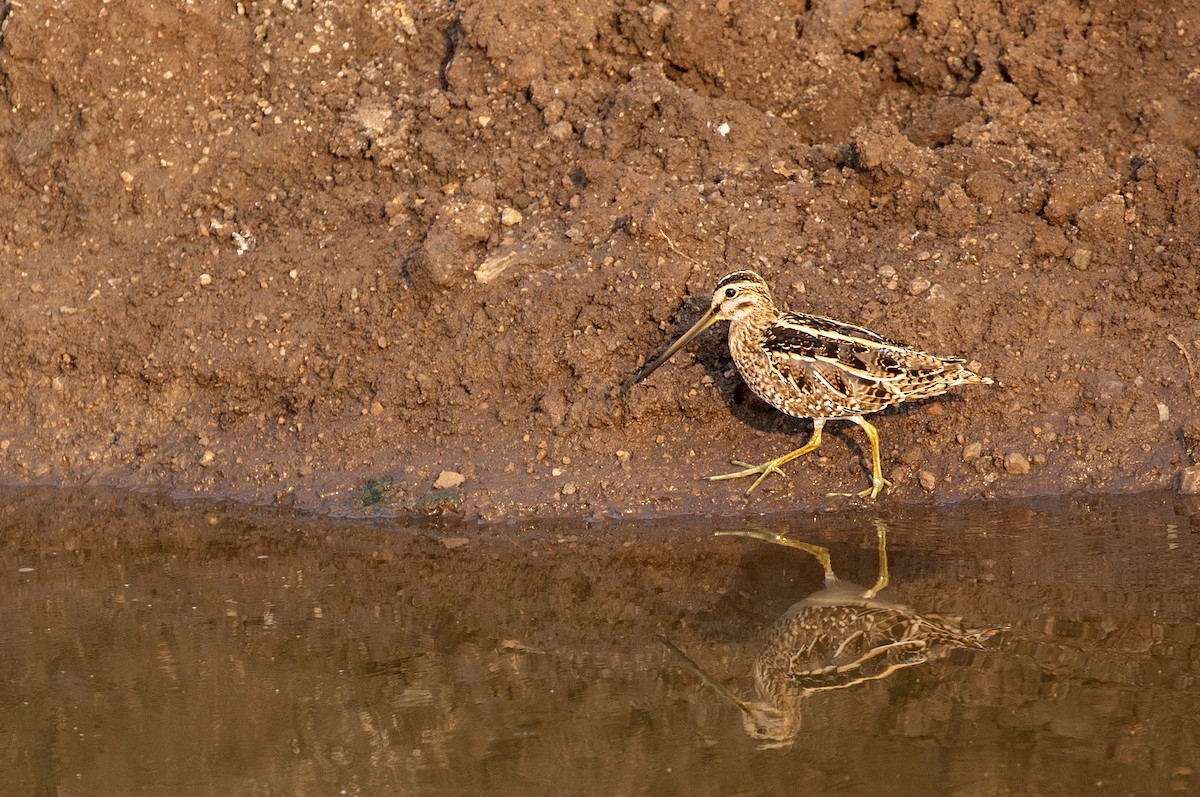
[832, 329]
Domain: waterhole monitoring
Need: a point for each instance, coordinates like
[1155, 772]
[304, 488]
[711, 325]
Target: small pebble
[623, 455]
[511, 217]
[449, 479]
[207, 459]
[1016, 463]
[569, 488]
[1189, 480]
[919, 286]
[561, 131]
[593, 137]
[972, 451]
[205, 280]
[455, 542]
[928, 481]
[553, 111]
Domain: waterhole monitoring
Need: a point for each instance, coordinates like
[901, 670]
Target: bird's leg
[882, 580]
[773, 466]
[821, 553]
[877, 480]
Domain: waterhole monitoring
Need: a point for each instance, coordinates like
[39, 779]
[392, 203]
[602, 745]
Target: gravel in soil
[293, 253]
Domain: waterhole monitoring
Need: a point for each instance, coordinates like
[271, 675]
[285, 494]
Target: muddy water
[158, 648]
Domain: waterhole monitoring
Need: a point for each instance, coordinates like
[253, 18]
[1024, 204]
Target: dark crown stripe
[740, 276]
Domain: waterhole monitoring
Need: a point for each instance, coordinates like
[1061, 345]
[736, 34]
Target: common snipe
[813, 367]
[837, 637]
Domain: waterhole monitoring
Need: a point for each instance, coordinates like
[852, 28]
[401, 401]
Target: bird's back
[821, 646]
[816, 367]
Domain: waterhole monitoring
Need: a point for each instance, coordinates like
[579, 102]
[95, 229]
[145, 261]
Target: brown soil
[319, 252]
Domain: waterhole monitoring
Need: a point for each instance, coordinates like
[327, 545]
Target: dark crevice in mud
[5, 12]
[1136, 162]
[967, 84]
[850, 158]
[452, 36]
[1002, 69]
[674, 72]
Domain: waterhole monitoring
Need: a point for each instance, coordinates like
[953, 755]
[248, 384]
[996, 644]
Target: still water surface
[207, 649]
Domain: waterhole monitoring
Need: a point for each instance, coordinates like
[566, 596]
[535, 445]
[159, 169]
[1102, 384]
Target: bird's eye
[730, 293]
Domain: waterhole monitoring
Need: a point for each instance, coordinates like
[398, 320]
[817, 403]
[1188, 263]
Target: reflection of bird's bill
[706, 321]
[708, 680]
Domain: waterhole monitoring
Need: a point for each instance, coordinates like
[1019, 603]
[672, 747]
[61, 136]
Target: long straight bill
[707, 679]
[706, 321]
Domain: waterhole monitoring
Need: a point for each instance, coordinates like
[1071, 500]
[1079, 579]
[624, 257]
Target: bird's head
[738, 296]
[770, 726]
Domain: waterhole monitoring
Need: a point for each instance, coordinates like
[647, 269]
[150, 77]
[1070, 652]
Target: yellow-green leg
[820, 552]
[773, 466]
[882, 580]
[877, 480]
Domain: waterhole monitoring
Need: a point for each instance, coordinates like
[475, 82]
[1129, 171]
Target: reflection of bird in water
[814, 367]
[839, 636]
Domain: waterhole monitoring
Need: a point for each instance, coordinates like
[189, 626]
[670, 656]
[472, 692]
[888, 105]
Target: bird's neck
[747, 330]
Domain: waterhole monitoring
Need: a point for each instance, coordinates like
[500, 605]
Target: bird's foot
[871, 492]
[762, 471]
[875, 489]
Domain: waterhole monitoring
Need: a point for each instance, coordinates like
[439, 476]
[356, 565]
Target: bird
[810, 366]
[839, 636]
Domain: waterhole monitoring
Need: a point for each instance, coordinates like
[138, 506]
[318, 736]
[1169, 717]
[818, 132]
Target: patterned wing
[832, 647]
[829, 366]
[851, 644]
[849, 369]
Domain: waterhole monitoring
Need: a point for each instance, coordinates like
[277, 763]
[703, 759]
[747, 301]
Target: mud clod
[1016, 464]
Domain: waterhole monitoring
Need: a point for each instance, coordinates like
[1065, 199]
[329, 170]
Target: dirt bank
[319, 253]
